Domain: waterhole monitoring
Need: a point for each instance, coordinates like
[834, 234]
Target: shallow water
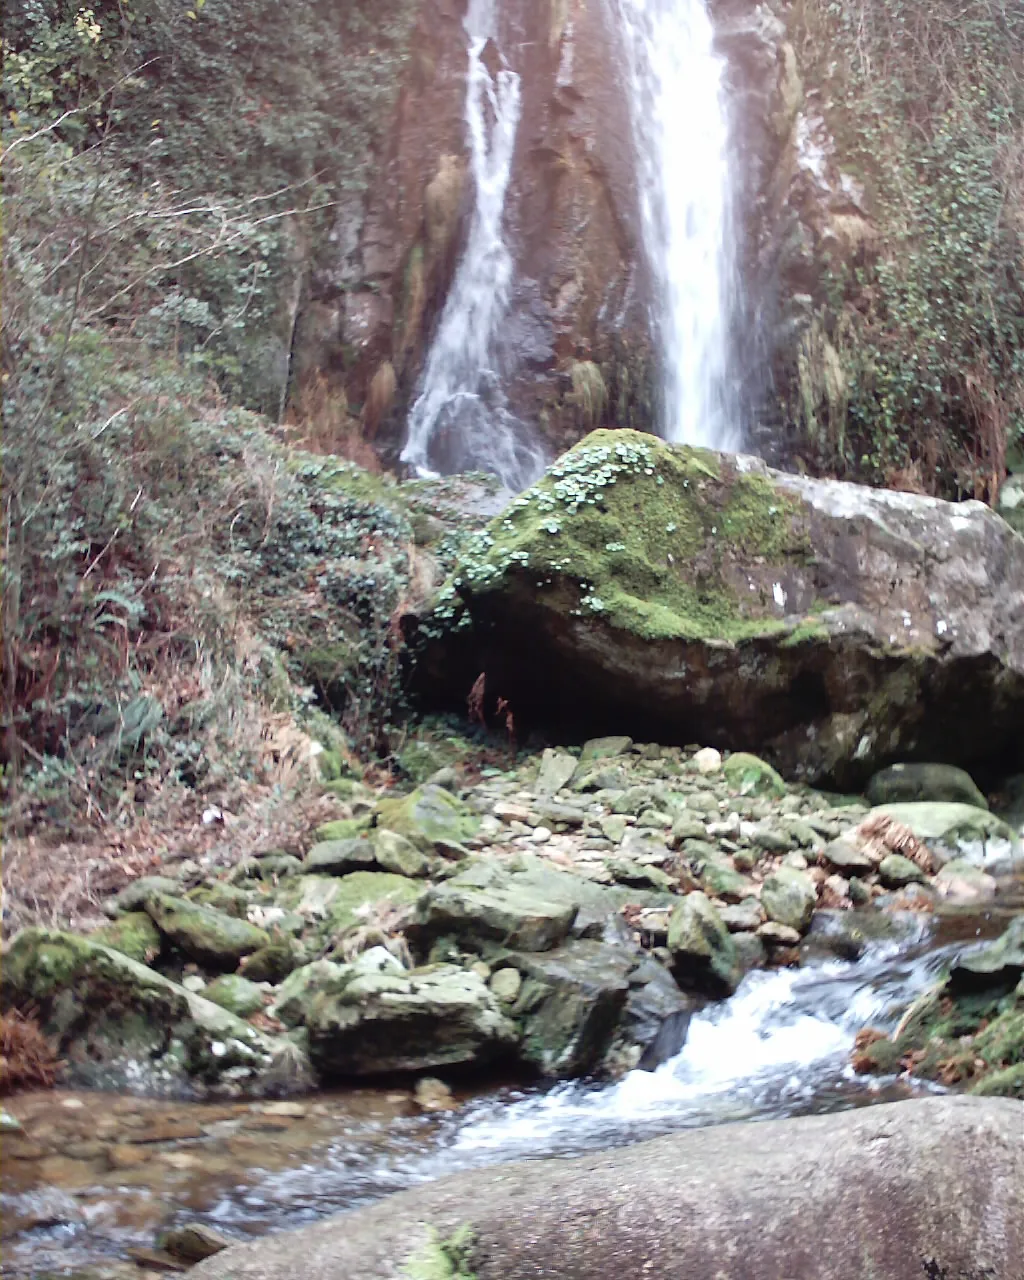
[94, 1175]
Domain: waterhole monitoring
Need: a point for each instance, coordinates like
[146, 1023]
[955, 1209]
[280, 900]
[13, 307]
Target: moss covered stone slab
[680, 595]
[369, 1024]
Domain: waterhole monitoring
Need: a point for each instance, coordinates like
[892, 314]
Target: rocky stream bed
[591, 946]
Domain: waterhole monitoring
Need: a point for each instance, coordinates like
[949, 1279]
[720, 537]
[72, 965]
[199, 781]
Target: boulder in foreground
[905, 1191]
[682, 595]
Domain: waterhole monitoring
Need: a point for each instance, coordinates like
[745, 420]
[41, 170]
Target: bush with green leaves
[924, 327]
[161, 544]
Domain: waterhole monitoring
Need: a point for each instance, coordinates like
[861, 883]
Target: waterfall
[460, 420]
[675, 81]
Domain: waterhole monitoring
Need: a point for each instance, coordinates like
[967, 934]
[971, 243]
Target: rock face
[578, 295]
[928, 1188]
[685, 595]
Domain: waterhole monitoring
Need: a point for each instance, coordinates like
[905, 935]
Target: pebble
[707, 760]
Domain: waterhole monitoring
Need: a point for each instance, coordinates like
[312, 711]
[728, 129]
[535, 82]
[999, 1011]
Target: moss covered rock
[430, 818]
[118, 1024]
[678, 594]
[788, 897]
[236, 994]
[204, 934]
[703, 952]
[751, 776]
[134, 934]
[960, 831]
[366, 1024]
[902, 782]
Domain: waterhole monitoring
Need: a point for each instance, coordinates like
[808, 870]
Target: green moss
[443, 1259]
[810, 631]
[133, 934]
[652, 538]
[750, 775]
[1008, 1083]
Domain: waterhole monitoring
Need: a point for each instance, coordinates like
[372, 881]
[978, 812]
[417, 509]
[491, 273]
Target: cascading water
[460, 420]
[675, 80]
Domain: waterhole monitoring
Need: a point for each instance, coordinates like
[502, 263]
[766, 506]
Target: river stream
[94, 1176]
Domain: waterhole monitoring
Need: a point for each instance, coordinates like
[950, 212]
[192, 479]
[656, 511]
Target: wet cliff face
[579, 293]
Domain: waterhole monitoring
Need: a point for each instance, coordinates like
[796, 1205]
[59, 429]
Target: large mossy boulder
[932, 1188]
[118, 1024]
[375, 1023]
[683, 595]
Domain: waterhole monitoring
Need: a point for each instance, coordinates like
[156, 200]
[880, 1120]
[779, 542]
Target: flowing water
[86, 1184]
[680, 127]
[461, 421]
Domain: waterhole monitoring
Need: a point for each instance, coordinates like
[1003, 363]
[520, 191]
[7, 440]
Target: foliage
[914, 366]
[161, 545]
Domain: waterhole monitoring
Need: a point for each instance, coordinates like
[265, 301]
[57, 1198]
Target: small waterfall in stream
[460, 421]
[675, 80]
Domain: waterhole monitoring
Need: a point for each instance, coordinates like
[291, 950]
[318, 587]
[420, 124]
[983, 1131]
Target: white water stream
[460, 421]
[675, 81]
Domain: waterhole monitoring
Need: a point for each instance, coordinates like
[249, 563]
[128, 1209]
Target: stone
[556, 771]
[296, 993]
[133, 934]
[751, 776]
[510, 914]
[570, 1005]
[960, 831]
[939, 1179]
[371, 1024]
[774, 934]
[742, 917]
[848, 857]
[707, 760]
[135, 895]
[720, 880]
[613, 827]
[654, 1023]
[236, 994]
[703, 953]
[398, 855]
[334, 904]
[194, 1241]
[9, 1123]
[915, 782]
[999, 963]
[204, 934]
[789, 897]
[339, 857]
[771, 840]
[895, 872]
[961, 881]
[152, 1030]
[430, 817]
[432, 1094]
[604, 748]
[505, 984]
[778, 608]
[273, 963]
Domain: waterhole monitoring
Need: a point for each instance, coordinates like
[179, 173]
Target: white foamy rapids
[680, 126]
[460, 420]
[782, 1042]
